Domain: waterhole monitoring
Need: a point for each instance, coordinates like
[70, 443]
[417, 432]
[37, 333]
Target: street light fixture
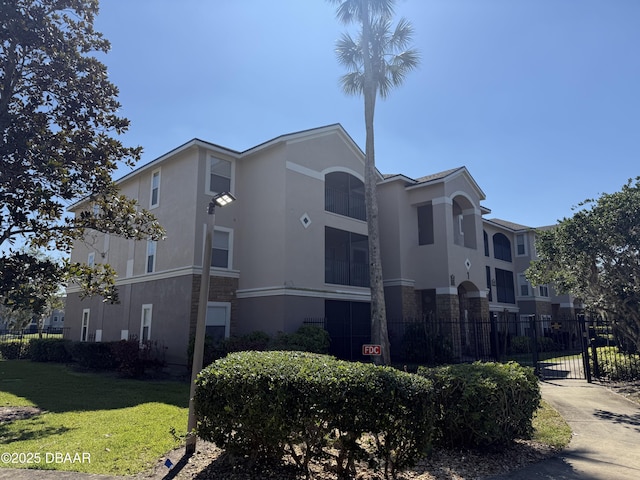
[220, 200]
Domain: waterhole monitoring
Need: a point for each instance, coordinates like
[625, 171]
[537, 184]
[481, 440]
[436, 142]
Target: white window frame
[522, 281]
[229, 247]
[152, 250]
[147, 307]
[227, 325]
[154, 174]
[546, 290]
[91, 259]
[524, 244]
[207, 187]
[545, 321]
[84, 325]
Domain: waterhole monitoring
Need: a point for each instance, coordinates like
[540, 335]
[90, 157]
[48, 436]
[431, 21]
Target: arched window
[501, 247]
[344, 195]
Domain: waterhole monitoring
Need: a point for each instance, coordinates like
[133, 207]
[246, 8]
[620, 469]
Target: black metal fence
[613, 356]
[26, 334]
[567, 347]
[14, 344]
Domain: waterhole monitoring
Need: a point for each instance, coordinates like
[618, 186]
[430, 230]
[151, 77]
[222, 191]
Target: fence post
[534, 341]
[593, 337]
[585, 346]
[496, 339]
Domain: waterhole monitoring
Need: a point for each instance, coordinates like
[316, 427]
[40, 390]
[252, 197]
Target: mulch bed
[9, 414]
[210, 462]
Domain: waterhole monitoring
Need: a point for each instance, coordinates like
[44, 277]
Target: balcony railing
[343, 203]
[343, 273]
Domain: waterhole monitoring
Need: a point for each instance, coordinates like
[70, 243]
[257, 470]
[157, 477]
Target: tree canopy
[58, 115]
[595, 255]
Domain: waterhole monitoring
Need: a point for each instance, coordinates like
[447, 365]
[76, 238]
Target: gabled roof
[289, 137]
[446, 176]
[506, 224]
[438, 176]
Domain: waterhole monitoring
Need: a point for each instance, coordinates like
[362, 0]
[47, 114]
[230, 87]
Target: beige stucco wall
[170, 299]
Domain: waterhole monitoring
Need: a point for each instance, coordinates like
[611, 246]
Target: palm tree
[377, 60]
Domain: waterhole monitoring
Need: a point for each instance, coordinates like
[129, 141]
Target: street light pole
[221, 200]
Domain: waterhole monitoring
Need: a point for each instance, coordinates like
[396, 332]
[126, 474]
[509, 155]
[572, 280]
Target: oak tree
[595, 255]
[58, 122]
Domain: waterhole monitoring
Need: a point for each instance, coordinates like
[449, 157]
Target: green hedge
[265, 405]
[50, 350]
[308, 338]
[483, 404]
[615, 365]
[14, 350]
[127, 357]
[93, 355]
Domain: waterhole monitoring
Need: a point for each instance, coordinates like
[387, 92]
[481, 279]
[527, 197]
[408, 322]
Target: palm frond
[402, 35]
[350, 11]
[349, 51]
[352, 83]
[402, 64]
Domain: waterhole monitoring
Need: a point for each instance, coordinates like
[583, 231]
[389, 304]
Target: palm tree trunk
[379, 332]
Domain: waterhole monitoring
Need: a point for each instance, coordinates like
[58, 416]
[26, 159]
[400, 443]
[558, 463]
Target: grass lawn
[550, 428]
[123, 426]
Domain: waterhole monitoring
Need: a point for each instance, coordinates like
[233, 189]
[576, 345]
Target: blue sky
[539, 99]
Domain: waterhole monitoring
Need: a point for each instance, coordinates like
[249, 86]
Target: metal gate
[560, 347]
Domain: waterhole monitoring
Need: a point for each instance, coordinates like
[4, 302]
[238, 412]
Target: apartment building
[293, 246]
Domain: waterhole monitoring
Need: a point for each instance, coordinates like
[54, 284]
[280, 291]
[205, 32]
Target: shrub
[308, 338]
[93, 355]
[483, 404]
[50, 350]
[419, 345]
[265, 405]
[520, 345]
[615, 365]
[14, 350]
[254, 341]
[214, 350]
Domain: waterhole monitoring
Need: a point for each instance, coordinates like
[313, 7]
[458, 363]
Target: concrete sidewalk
[606, 435]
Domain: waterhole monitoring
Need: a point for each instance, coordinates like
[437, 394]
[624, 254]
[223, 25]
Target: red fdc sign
[371, 350]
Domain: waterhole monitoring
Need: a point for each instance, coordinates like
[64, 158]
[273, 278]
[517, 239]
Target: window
[84, 329]
[151, 256]
[217, 321]
[486, 243]
[545, 322]
[154, 201]
[505, 292]
[344, 195]
[488, 275]
[501, 247]
[520, 244]
[524, 285]
[91, 259]
[425, 224]
[544, 290]
[145, 323]
[220, 253]
[219, 175]
[346, 258]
